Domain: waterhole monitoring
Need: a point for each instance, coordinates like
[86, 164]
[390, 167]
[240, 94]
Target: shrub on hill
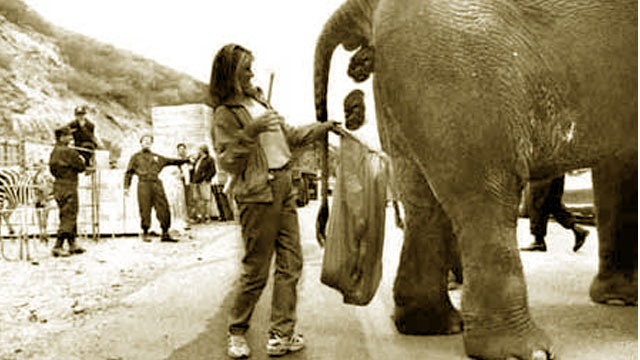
[101, 70]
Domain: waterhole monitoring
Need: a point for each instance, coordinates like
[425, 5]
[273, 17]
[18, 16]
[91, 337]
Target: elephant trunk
[351, 26]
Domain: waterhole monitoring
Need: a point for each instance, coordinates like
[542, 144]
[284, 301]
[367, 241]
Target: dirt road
[177, 309]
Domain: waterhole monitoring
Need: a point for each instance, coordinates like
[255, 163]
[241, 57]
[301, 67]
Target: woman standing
[252, 143]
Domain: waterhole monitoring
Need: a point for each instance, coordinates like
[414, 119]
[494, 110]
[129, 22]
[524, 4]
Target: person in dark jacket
[545, 199]
[253, 143]
[147, 165]
[203, 172]
[83, 134]
[65, 164]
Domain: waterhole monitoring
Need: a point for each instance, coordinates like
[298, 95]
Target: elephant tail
[350, 26]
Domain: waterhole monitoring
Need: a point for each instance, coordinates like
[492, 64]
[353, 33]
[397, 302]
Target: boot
[145, 235]
[57, 248]
[537, 245]
[581, 235]
[167, 238]
[73, 247]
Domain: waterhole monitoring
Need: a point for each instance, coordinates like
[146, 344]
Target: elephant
[473, 100]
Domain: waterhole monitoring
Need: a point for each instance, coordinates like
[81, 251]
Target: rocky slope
[46, 71]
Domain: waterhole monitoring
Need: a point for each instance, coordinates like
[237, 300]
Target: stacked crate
[189, 124]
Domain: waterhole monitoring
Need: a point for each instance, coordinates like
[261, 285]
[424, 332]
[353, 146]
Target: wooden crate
[189, 124]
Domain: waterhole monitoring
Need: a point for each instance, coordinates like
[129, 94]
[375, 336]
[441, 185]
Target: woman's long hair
[223, 84]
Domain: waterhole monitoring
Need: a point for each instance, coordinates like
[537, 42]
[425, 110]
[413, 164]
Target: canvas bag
[352, 259]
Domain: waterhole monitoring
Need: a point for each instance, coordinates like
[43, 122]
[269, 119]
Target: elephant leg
[616, 198]
[495, 311]
[422, 304]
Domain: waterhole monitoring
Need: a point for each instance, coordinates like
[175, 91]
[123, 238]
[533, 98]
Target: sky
[186, 34]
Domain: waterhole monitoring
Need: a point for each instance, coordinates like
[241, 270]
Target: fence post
[5, 148]
[22, 156]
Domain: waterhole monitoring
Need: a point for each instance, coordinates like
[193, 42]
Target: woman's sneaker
[237, 347]
[280, 345]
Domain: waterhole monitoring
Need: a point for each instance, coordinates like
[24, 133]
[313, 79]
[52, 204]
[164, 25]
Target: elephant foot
[532, 344]
[412, 320]
[615, 289]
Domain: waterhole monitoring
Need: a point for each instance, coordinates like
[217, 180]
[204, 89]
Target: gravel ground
[104, 304]
[49, 296]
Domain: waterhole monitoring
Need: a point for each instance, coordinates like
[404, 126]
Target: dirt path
[128, 300]
[61, 307]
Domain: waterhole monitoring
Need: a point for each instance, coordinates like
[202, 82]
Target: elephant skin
[473, 100]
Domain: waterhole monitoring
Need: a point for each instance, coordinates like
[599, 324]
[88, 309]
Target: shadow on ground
[325, 331]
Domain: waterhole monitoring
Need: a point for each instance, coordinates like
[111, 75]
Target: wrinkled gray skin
[474, 99]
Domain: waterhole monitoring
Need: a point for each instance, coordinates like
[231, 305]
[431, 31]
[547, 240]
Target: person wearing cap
[147, 165]
[65, 164]
[83, 134]
[203, 172]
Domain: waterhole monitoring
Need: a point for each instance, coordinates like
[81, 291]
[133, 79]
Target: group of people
[73, 154]
[252, 143]
[203, 185]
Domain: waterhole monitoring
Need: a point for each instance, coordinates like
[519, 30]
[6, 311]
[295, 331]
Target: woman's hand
[269, 121]
[331, 125]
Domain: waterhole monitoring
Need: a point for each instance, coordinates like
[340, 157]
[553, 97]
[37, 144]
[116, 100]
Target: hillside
[45, 71]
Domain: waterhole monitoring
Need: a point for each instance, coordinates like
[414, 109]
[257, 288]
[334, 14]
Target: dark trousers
[151, 195]
[546, 200]
[66, 195]
[222, 202]
[269, 228]
[188, 199]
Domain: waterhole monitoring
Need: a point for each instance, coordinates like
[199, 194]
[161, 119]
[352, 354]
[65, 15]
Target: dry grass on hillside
[103, 71]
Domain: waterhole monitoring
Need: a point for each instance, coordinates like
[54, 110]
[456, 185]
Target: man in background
[83, 134]
[545, 199]
[65, 164]
[147, 165]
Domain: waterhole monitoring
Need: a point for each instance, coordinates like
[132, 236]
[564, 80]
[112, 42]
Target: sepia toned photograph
[318, 179]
